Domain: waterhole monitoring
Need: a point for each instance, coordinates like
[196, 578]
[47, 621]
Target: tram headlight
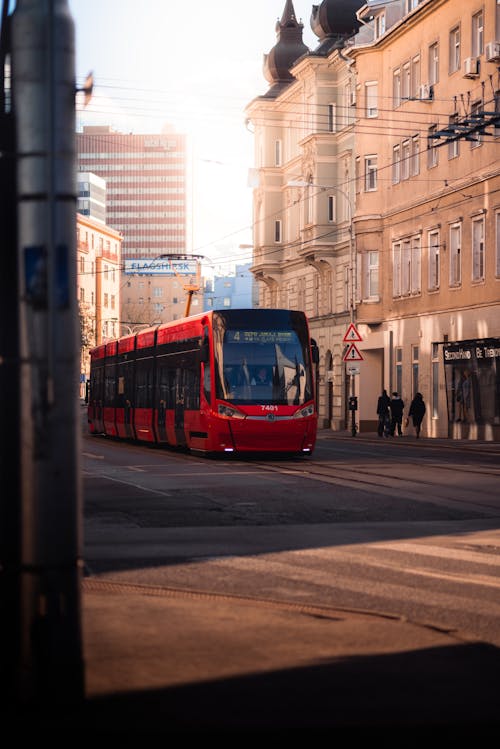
[303, 412]
[228, 412]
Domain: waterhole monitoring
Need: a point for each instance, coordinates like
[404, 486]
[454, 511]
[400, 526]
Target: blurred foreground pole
[48, 666]
[10, 518]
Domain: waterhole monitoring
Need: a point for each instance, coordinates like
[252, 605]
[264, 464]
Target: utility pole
[47, 664]
[10, 474]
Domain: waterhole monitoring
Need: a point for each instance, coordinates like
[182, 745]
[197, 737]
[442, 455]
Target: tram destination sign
[260, 336]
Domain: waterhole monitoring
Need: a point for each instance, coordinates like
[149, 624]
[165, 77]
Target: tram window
[207, 382]
[96, 385]
[193, 388]
[162, 388]
[110, 385]
[121, 385]
[125, 390]
[144, 384]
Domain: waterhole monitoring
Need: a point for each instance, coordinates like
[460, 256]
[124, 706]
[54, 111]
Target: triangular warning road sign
[352, 354]
[352, 334]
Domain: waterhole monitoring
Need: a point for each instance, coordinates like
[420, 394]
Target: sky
[194, 65]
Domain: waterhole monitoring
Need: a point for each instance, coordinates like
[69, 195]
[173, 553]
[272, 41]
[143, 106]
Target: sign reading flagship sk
[160, 267]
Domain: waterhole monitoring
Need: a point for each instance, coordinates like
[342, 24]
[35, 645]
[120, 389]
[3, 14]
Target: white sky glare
[194, 65]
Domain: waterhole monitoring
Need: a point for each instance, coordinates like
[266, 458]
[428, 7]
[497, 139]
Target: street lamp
[352, 270]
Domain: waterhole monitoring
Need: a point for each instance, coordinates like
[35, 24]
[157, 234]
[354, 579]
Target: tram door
[179, 406]
[96, 399]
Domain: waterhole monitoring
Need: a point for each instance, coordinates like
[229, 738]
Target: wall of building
[98, 284]
[420, 268]
[431, 291]
[310, 192]
[234, 291]
[147, 201]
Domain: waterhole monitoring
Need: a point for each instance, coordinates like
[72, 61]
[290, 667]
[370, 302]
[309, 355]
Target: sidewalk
[409, 438]
[165, 662]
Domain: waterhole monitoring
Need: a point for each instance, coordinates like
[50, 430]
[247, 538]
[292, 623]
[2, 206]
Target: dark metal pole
[50, 666]
[10, 474]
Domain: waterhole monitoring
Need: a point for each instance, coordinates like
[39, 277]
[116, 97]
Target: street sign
[352, 334]
[352, 369]
[352, 354]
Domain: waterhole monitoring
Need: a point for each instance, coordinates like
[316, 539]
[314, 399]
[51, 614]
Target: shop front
[472, 374]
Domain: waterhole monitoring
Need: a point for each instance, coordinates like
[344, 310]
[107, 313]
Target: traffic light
[353, 403]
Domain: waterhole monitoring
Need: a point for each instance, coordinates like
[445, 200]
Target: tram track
[383, 482]
[333, 613]
[412, 485]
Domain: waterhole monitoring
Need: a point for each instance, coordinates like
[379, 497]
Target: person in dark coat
[397, 408]
[417, 411]
[383, 412]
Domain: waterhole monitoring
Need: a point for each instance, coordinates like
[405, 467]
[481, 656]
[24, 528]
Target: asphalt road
[355, 591]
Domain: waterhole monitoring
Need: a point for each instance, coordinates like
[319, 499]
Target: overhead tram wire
[283, 210]
[298, 242]
[380, 169]
[391, 111]
[370, 126]
[298, 112]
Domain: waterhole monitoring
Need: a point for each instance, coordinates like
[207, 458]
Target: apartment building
[98, 284]
[145, 178]
[427, 220]
[236, 290]
[377, 204]
[304, 202]
[91, 196]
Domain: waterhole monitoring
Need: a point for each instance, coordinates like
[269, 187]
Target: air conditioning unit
[425, 91]
[492, 52]
[471, 67]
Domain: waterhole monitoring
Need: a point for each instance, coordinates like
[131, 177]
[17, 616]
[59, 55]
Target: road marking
[137, 486]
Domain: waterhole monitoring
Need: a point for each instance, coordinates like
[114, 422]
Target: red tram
[223, 381]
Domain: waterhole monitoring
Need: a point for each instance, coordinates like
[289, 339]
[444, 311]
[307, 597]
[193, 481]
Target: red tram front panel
[268, 428]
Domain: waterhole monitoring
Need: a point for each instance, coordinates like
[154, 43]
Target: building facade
[154, 291]
[235, 291]
[146, 189]
[377, 204]
[427, 217]
[91, 196]
[98, 285]
[304, 203]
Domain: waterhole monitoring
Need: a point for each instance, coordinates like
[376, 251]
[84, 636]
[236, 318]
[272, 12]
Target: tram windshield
[258, 365]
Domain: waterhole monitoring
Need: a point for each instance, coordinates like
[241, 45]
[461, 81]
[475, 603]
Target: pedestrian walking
[397, 408]
[383, 413]
[416, 412]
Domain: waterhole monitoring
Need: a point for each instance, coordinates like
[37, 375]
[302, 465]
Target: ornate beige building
[303, 206]
[395, 128]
